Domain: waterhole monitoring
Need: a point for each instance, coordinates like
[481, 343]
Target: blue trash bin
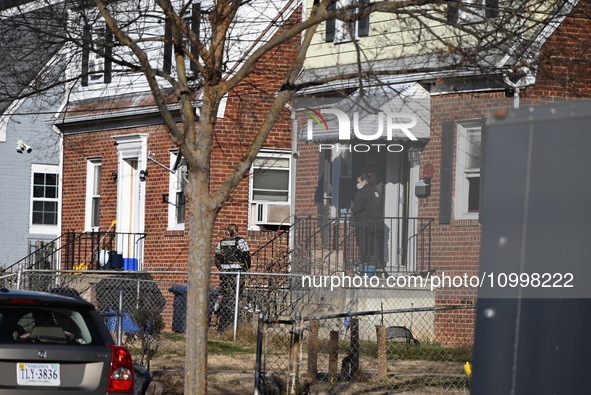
[127, 322]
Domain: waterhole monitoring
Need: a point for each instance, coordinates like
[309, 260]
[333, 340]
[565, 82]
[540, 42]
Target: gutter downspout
[293, 163]
[60, 188]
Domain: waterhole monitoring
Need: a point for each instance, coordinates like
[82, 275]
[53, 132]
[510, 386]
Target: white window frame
[472, 11]
[343, 30]
[41, 228]
[96, 62]
[270, 155]
[91, 194]
[462, 184]
[176, 185]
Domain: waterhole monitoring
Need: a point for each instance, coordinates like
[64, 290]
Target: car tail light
[121, 376]
[23, 301]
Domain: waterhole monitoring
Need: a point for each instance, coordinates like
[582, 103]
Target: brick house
[458, 104]
[122, 173]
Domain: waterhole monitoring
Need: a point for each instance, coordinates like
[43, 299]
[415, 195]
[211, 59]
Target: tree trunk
[201, 221]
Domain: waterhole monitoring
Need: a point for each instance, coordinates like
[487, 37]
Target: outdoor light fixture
[114, 175]
[21, 147]
[414, 154]
[143, 175]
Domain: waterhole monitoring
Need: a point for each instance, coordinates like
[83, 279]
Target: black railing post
[259, 356]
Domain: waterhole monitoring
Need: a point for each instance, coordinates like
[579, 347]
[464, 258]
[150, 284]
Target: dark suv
[56, 344]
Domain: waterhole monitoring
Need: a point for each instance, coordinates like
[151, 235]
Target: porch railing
[85, 251]
[326, 246]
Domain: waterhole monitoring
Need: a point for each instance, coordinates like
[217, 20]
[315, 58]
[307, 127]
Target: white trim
[173, 189]
[461, 188]
[91, 165]
[132, 151]
[39, 228]
[341, 30]
[471, 11]
[252, 203]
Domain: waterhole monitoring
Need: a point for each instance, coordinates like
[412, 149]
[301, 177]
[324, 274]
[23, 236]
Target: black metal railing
[102, 250]
[85, 251]
[326, 246]
[273, 255]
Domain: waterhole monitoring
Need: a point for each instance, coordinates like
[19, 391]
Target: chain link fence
[309, 340]
[362, 352]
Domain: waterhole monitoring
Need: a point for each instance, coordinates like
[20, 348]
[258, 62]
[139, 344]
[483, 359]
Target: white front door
[130, 199]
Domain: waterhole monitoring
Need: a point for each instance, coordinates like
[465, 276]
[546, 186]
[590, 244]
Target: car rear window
[42, 324]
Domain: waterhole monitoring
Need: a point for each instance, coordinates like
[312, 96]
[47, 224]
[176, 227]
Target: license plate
[47, 374]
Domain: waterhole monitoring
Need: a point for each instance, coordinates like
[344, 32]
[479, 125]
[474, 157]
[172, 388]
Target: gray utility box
[533, 326]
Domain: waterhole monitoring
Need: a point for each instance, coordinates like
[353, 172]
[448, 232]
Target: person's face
[361, 183]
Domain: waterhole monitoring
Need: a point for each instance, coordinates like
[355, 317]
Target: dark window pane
[39, 179]
[38, 191]
[180, 208]
[37, 218]
[271, 196]
[51, 179]
[51, 192]
[96, 204]
[474, 194]
[50, 219]
[271, 179]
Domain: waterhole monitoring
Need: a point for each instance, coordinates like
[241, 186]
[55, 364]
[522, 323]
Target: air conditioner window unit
[271, 213]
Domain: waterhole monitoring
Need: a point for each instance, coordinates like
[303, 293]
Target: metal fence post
[355, 350]
[259, 354]
[120, 319]
[236, 305]
[294, 370]
[19, 277]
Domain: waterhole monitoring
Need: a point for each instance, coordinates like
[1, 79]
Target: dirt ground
[232, 373]
[227, 375]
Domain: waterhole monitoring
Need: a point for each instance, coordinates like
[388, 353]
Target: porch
[85, 251]
[328, 246]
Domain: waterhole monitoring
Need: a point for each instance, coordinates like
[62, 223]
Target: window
[340, 31]
[468, 154]
[93, 194]
[270, 188]
[193, 21]
[49, 325]
[97, 49]
[176, 192]
[472, 11]
[44, 199]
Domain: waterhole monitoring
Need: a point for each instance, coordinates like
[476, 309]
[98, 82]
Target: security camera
[21, 147]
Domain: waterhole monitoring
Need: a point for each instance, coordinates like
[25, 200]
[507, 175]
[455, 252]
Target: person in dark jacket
[367, 210]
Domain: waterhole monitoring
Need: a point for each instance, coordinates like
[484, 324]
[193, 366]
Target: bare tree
[478, 37]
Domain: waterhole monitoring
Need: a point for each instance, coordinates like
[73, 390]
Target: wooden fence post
[333, 355]
[313, 350]
[382, 363]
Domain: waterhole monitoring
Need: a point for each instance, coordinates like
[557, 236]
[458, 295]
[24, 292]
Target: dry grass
[231, 367]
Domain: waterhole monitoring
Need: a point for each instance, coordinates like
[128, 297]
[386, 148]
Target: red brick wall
[565, 71]
[164, 250]
[563, 74]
